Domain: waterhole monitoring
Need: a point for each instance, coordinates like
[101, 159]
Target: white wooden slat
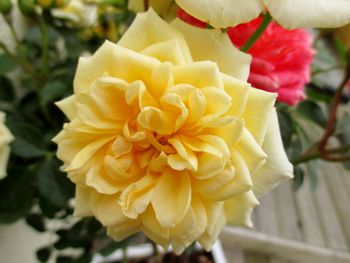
[266, 214]
[340, 196]
[288, 221]
[294, 251]
[309, 220]
[345, 179]
[233, 254]
[255, 257]
[330, 222]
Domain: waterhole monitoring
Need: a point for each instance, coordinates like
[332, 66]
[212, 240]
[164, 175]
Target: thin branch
[333, 113]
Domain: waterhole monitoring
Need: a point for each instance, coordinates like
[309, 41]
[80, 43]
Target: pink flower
[281, 58]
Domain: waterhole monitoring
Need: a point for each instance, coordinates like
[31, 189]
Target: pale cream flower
[165, 135]
[5, 139]
[288, 13]
[77, 12]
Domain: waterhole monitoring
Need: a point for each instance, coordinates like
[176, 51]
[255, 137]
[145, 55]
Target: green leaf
[51, 91]
[295, 150]
[311, 168]
[7, 92]
[25, 149]
[43, 254]
[53, 185]
[6, 64]
[312, 112]
[17, 192]
[286, 126]
[36, 221]
[298, 177]
[343, 129]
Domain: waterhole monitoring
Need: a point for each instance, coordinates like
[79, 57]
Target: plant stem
[333, 112]
[45, 47]
[125, 256]
[325, 155]
[155, 249]
[26, 67]
[258, 32]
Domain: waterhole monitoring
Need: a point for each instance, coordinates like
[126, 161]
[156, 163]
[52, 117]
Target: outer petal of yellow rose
[172, 203]
[124, 230]
[167, 51]
[258, 111]
[215, 225]
[218, 47]
[192, 74]
[152, 228]
[4, 156]
[87, 152]
[190, 227]
[82, 201]
[311, 13]
[239, 208]
[107, 209]
[87, 71]
[252, 152]
[240, 183]
[277, 167]
[101, 182]
[148, 29]
[239, 92]
[137, 196]
[67, 105]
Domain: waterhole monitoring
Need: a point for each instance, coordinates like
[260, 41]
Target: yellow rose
[165, 135]
[288, 13]
[77, 12]
[5, 139]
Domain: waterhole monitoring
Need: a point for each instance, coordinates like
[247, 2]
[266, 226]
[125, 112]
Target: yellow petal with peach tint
[117, 168]
[82, 201]
[67, 105]
[215, 181]
[87, 71]
[107, 210]
[121, 231]
[258, 112]
[167, 51]
[239, 208]
[81, 157]
[162, 79]
[158, 163]
[137, 196]
[192, 74]
[190, 227]
[252, 152]
[153, 229]
[142, 34]
[157, 120]
[240, 183]
[239, 92]
[101, 182]
[218, 101]
[277, 167]
[185, 153]
[207, 239]
[172, 197]
[108, 94]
